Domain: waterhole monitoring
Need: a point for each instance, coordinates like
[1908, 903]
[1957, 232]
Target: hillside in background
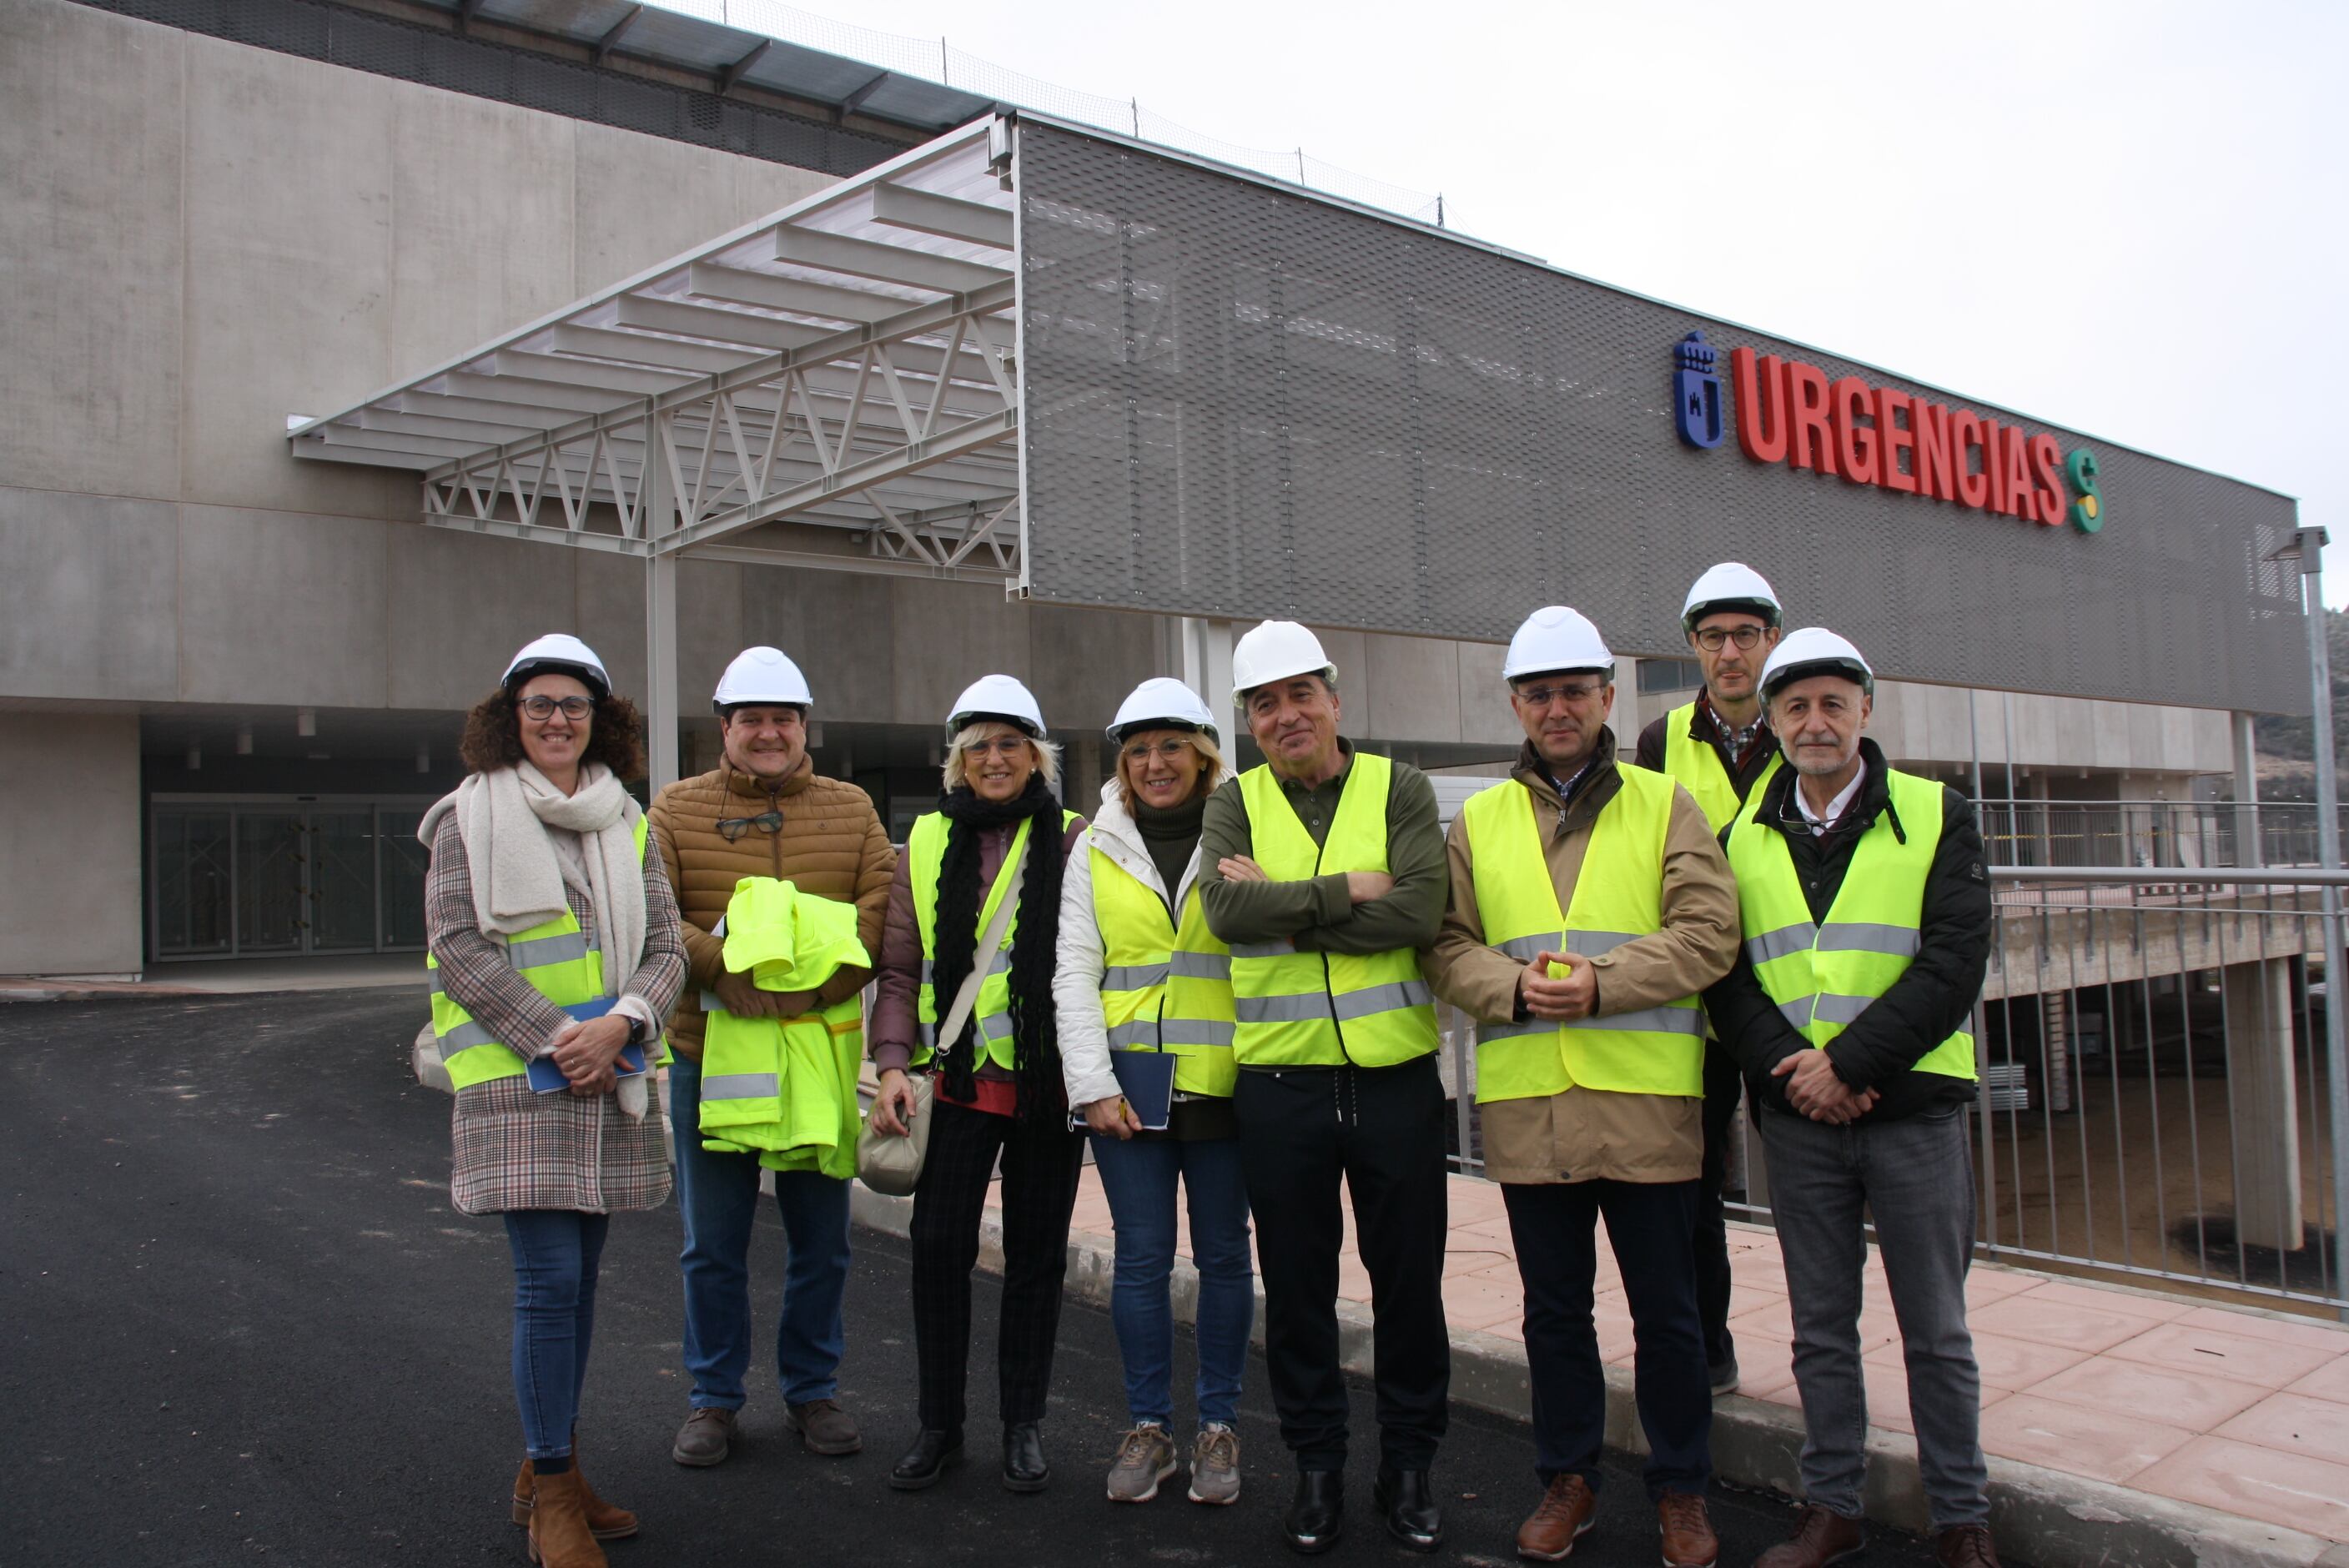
[2286, 766]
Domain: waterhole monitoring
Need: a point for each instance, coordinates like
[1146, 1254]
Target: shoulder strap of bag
[982, 957]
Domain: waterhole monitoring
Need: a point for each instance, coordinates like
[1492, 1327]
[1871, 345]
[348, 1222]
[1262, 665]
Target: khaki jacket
[832, 844]
[1585, 1134]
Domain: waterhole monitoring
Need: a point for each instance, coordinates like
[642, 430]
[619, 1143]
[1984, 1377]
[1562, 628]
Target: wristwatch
[637, 1032]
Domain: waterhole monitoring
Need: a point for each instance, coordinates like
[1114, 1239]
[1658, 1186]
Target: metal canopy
[833, 386]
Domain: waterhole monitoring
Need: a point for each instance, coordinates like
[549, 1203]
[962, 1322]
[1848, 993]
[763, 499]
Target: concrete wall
[203, 238]
[70, 870]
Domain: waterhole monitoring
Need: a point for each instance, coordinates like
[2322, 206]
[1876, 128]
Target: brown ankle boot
[606, 1520]
[559, 1536]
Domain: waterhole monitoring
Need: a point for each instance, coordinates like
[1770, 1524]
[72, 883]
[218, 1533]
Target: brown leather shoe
[706, 1439]
[1965, 1546]
[1559, 1521]
[823, 1427]
[1689, 1540]
[606, 1520]
[559, 1537]
[1820, 1537]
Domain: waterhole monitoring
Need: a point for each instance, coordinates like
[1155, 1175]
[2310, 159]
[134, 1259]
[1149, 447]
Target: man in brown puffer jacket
[763, 813]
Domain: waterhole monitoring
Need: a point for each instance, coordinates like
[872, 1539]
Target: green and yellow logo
[2087, 511]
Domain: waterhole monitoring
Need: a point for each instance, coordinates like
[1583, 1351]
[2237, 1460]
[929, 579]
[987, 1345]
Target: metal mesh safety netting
[1241, 401]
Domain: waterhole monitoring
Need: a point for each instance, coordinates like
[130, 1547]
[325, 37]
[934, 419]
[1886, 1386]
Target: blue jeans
[719, 1196]
[555, 1254]
[1139, 1178]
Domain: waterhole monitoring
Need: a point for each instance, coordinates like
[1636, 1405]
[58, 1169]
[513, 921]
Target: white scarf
[517, 874]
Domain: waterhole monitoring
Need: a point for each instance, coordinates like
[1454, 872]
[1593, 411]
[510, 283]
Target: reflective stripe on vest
[560, 966]
[1303, 1009]
[925, 849]
[1823, 975]
[1618, 898]
[1697, 765]
[1143, 1002]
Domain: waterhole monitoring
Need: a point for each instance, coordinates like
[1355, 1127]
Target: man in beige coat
[1590, 904]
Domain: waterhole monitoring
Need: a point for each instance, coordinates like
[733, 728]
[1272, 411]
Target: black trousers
[1041, 1166]
[1647, 1223]
[1722, 1085]
[1381, 1131]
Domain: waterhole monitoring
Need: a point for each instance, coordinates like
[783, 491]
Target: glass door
[193, 884]
[271, 902]
[340, 860]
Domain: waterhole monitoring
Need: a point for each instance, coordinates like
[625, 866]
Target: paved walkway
[228, 977]
[2238, 1411]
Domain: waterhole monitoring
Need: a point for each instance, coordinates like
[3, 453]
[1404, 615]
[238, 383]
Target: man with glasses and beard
[1719, 747]
[763, 812]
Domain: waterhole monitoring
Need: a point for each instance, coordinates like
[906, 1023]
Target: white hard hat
[562, 653]
[1161, 702]
[1273, 651]
[761, 675]
[1814, 651]
[1556, 638]
[1730, 585]
[997, 696]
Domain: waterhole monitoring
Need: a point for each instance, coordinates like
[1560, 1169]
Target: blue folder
[546, 1077]
[1146, 1079]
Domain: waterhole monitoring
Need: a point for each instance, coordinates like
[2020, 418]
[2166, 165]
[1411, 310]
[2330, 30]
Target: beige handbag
[891, 1164]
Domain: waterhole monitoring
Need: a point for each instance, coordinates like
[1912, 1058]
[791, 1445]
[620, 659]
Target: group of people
[1758, 909]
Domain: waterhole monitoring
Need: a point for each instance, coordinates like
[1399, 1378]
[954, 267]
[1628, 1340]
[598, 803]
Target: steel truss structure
[834, 387]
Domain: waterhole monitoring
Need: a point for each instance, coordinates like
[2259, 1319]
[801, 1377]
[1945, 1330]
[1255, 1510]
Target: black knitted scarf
[1035, 1041]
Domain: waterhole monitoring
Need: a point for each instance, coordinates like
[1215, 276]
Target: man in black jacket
[1865, 915]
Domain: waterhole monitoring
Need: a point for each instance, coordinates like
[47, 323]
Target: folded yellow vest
[786, 1088]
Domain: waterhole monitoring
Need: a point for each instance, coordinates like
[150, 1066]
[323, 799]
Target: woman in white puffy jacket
[1139, 971]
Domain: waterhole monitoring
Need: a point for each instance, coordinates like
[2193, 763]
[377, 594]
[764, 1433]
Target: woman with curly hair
[555, 953]
[997, 828]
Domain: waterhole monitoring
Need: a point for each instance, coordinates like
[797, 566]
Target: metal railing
[2148, 834]
[2161, 1095]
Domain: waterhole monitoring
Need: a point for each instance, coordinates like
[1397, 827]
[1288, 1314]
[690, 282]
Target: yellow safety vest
[1618, 898]
[1143, 954]
[1823, 976]
[554, 957]
[925, 849]
[786, 1088]
[1307, 1009]
[1697, 765]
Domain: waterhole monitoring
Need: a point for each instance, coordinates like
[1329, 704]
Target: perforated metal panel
[1243, 402]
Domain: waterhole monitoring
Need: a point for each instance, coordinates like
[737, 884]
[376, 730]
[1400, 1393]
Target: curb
[2039, 1516]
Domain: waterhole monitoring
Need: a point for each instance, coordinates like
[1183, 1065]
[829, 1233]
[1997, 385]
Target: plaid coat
[516, 1148]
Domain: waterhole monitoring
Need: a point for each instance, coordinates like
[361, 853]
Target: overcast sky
[2124, 219]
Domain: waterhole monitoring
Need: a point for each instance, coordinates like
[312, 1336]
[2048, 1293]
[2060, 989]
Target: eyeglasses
[1002, 746]
[1575, 695]
[1712, 637]
[574, 708]
[733, 828]
[1170, 749]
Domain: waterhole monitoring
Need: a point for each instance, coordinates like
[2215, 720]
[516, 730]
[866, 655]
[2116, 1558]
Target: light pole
[2307, 547]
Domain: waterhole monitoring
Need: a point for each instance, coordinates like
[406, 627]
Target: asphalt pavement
[243, 1324]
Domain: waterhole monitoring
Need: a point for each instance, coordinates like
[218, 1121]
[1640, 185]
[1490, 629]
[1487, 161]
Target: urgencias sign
[1787, 411]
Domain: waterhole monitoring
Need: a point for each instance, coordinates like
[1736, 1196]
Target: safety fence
[2148, 834]
[2161, 1086]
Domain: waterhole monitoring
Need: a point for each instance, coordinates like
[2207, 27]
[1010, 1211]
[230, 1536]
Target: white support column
[1207, 659]
[2262, 1082]
[2244, 749]
[661, 711]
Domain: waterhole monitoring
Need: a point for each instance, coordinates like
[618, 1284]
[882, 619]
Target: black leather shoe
[1024, 1469]
[1317, 1515]
[1409, 1503]
[928, 1460]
